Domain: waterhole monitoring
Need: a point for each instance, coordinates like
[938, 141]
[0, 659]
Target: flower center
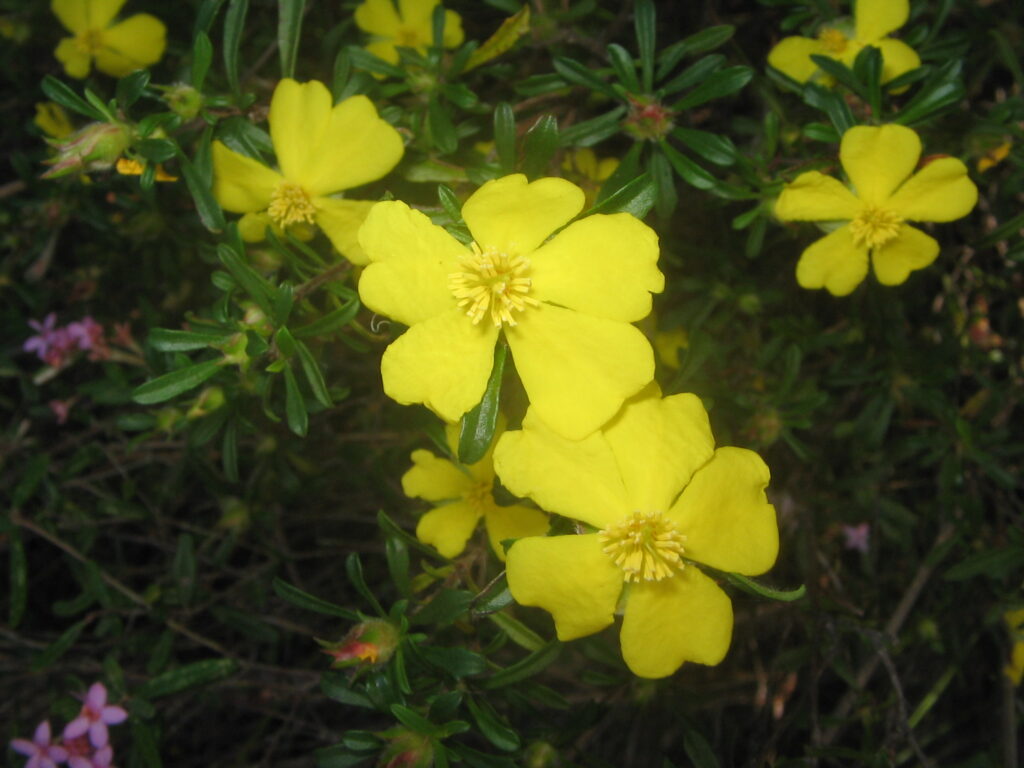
[90, 41]
[833, 40]
[491, 281]
[874, 227]
[290, 204]
[645, 545]
[478, 495]
[407, 37]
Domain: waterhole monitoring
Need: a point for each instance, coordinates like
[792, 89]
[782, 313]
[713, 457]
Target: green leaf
[645, 23]
[335, 685]
[446, 606]
[294, 404]
[169, 340]
[31, 476]
[450, 202]
[308, 602]
[715, 86]
[539, 146]
[397, 553]
[412, 720]
[868, 69]
[252, 283]
[579, 74]
[698, 750]
[714, 148]
[365, 60]
[495, 598]
[229, 451]
[202, 57]
[993, 563]
[511, 29]
[942, 90]
[189, 676]
[205, 15]
[314, 377]
[57, 91]
[625, 68]
[200, 185]
[176, 382]
[390, 528]
[491, 726]
[330, 322]
[58, 647]
[457, 662]
[18, 574]
[476, 431]
[442, 129]
[354, 570]
[234, 27]
[637, 197]
[289, 28]
[130, 87]
[705, 40]
[751, 586]
[517, 632]
[525, 668]
[183, 567]
[157, 150]
[688, 170]
[697, 72]
[832, 104]
[505, 137]
[590, 132]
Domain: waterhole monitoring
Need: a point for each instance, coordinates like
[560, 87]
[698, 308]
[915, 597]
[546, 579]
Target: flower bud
[373, 642]
[97, 146]
[209, 400]
[184, 100]
[406, 749]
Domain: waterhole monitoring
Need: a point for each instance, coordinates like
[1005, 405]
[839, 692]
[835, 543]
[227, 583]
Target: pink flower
[40, 752]
[101, 758]
[88, 334]
[51, 344]
[61, 409]
[95, 717]
[857, 537]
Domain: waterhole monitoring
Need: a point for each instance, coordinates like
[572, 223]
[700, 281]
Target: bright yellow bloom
[879, 163]
[1015, 624]
[467, 495]
[409, 27]
[320, 149]
[661, 498]
[564, 306]
[118, 49]
[873, 20]
[583, 166]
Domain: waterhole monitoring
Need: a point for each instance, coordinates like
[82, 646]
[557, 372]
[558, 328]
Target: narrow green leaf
[579, 74]
[61, 93]
[365, 60]
[477, 427]
[130, 87]
[205, 15]
[491, 726]
[698, 750]
[259, 290]
[330, 322]
[201, 188]
[229, 451]
[751, 586]
[934, 97]
[511, 29]
[289, 28]
[390, 528]
[625, 68]
[993, 563]
[539, 146]
[705, 40]
[169, 340]
[694, 74]
[715, 86]
[202, 57]
[645, 22]
[688, 170]
[868, 69]
[590, 132]
[637, 197]
[48, 656]
[517, 632]
[445, 607]
[234, 28]
[354, 570]
[294, 404]
[397, 553]
[183, 567]
[525, 668]
[31, 476]
[442, 129]
[450, 202]
[505, 137]
[308, 602]
[457, 662]
[175, 383]
[18, 571]
[714, 148]
[412, 720]
[494, 599]
[189, 676]
[832, 104]
[314, 376]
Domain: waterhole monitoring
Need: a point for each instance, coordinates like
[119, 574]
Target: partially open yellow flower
[52, 120]
[873, 20]
[590, 172]
[466, 493]
[321, 148]
[662, 499]
[118, 49]
[409, 26]
[872, 214]
[565, 305]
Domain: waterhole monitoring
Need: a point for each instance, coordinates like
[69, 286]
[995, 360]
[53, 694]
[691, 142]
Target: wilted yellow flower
[872, 21]
[994, 156]
[321, 149]
[466, 493]
[118, 49]
[662, 500]
[408, 26]
[564, 306]
[128, 167]
[884, 194]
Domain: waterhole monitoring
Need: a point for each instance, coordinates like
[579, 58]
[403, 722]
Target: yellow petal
[76, 62]
[834, 262]
[658, 444]
[514, 216]
[792, 57]
[570, 578]
[577, 370]
[383, 49]
[411, 258]
[912, 249]
[683, 618]
[135, 43]
[813, 196]
[357, 147]
[878, 159]
[299, 116]
[1015, 669]
[448, 527]
[52, 120]
[417, 14]
[253, 226]
[514, 522]
[378, 17]
[443, 362]
[340, 220]
[433, 478]
[453, 34]
[81, 15]
[941, 191]
[241, 184]
[897, 58]
[604, 266]
[577, 479]
[725, 516]
[877, 18]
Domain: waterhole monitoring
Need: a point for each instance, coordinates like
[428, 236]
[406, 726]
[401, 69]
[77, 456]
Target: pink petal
[59, 754]
[24, 746]
[77, 761]
[42, 734]
[114, 715]
[76, 727]
[103, 757]
[97, 696]
[98, 734]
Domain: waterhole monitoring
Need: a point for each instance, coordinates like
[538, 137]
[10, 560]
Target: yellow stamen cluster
[834, 41]
[874, 227]
[290, 204]
[645, 545]
[491, 281]
[90, 41]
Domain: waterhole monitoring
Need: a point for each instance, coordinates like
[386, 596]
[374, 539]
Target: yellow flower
[591, 171]
[52, 120]
[564, 306]
[320, 149]
[873, 20]
[992, 158]
[409, 27]
[662, 499]
[466, 493]
[118, 49]
[879, 163]
[128, 167]
[1015, 624]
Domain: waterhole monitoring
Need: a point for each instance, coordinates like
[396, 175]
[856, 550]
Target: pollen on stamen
[834, 41]
[645, 545]
[492, 283]
[874, 227]
[290, 204]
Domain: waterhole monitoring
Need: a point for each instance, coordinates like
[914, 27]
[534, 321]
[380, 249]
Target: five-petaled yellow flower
[467, 495]
[565, 305]
[873, 20]
[661, 498]
[118, 49]
[321, 149]
[410, 26]
[885, 193]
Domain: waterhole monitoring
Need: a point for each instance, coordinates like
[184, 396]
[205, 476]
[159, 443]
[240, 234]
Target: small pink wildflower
[95, 717]
[40, 751]
[101, 758]
[857, 537]
[51, 344]
[88, 334]
[61, 409]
